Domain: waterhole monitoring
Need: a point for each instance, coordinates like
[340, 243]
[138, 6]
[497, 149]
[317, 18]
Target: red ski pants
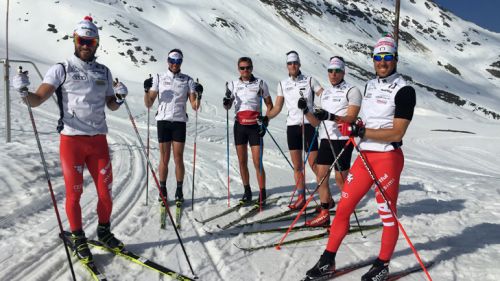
[76, 153]
[387, 167]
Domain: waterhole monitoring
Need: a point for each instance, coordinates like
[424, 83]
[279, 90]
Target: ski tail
[405, 272]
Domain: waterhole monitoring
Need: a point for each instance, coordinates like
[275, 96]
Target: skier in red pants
[386, 110]
[83, 88]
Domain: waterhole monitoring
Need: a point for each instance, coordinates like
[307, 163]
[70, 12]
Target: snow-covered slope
[448, 201]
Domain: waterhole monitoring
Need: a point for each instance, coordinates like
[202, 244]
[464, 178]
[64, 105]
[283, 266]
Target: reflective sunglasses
[174, 61]
[245, 67]
[86, 41]
[385, 57]
[336, 70]
[292, 62]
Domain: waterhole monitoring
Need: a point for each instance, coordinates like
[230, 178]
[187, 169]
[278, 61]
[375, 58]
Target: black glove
[262, 131]
[148, 83]
[302, 104]
[358, 129]
[199, 89]
[263, 120]
[227, 102]
[322, 115]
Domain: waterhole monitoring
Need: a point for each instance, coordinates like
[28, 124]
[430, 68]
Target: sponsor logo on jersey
[350, 177]
[100, 82]
[79, 169]
[79, 77]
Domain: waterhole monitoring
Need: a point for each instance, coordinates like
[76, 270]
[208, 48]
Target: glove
[302, 105]
[355, 129]
[227, 102]
[148, 83]
[263, 120]
[121, 92]
[322, 115]
[262, 131]
[199, 89]
[20, 82]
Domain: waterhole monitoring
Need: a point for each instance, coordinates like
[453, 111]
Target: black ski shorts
[171, 131]
[325, 155]
[294, 137]
[244, 134]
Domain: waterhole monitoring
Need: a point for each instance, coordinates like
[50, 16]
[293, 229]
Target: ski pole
[391, 207]
[163, 199]
[47, 176]
[227, 145]
[194, 148]
[278, 247]
[289, 163]
[261, 150]
[343, 180]
[147, 168]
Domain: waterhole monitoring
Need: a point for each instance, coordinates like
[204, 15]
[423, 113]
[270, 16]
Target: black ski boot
[378, 272]
[105, 236]
[179, 196]
[264, 196]
[247, 196]
[81, 249]
[324, 268]
[164, 193]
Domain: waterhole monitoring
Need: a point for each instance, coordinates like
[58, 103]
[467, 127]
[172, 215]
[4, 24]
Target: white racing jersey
[379, 107]
[246, 94]
[173, 93]
[292, 89]
[336, 99]
[84, 88]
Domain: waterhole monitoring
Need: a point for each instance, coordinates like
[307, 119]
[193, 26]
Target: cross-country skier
[247, 94]
[290, 90]
[386, 111]
[173, 90]
[83, 87]
[340, 102]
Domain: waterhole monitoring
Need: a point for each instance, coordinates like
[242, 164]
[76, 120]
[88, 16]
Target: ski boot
[299, 203]
[81, 248]
[107, 238]
[324, 268]
[330, 206]
[378, 272]
[179, 196]
[322, 219]
[247, 196]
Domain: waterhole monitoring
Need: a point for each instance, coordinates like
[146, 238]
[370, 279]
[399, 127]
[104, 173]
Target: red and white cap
[386, 44]
[336, 63]
[86, 28]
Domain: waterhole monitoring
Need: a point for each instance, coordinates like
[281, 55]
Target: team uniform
[384, 99]
[247, 107]
[173, 93]
[336, 99]
[82, 91]
[292, 89]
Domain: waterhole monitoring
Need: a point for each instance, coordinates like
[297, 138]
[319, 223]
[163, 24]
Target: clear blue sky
[485, 13]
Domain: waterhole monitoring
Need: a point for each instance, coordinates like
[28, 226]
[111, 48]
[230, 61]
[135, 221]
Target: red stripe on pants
[91, 151]
[387, 167]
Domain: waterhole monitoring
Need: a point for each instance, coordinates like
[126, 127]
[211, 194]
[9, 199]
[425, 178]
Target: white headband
[291, 57]
[175, 55]
[336, 63]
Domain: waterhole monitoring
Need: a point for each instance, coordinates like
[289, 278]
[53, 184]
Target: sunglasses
[336, 70]
[245, 67]
[292, 63]
[174, 61]
[385, 57]
[85, 41]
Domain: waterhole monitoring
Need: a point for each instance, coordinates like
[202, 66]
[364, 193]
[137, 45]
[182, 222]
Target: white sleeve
[265, 89]
[156, 83]
[55, 76]
[191, 85]
[279, 90]
[109, 90]
[354, 96]
[315, 85]
[230, 87]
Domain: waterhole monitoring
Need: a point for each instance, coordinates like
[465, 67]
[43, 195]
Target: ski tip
[278, 248]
